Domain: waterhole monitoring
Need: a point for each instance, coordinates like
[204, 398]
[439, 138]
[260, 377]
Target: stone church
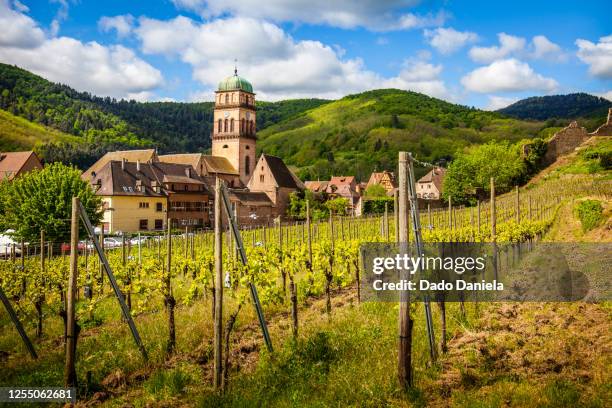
[263, 186]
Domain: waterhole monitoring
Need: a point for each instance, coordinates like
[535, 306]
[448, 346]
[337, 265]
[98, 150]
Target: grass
[17, 133]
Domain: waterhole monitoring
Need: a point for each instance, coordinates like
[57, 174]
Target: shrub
[590, 214]
[377, 205]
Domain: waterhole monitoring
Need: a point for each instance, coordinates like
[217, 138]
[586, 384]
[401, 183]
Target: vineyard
[306, 274]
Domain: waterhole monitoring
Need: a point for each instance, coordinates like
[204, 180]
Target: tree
[338, 206]
[375, 190]
[471, 172]
[42, 200]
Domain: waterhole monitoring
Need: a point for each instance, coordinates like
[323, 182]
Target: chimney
[137, 165]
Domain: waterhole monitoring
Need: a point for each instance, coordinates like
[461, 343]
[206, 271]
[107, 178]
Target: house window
[143, 205]
[159, 224]
[144, 225]
[159, 207]
[247, 165]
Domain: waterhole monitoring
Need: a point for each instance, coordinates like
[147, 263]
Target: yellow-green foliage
[20, 134]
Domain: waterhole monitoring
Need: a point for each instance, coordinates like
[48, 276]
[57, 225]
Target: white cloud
[597, 56]
[18, 30]
[421, 76]
[508, 44]
[121, 24]
[61, 15]
[165, 37]
[499, 102]
[278, 66]
[539, 47]
[103, 70]
[506, 76]
[543, 48]
[372, 14]
[607, 95]
[19, 6]
[449, 40]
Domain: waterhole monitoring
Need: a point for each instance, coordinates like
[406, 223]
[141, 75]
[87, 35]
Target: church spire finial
[235, 66]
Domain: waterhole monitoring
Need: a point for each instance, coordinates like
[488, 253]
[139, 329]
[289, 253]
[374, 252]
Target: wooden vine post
[518, 206]
[396, 215]
[38, 304]
[494, 227]
[405, 320]
[169, 298]
[70, 376]
[218, 328]
[309, 234]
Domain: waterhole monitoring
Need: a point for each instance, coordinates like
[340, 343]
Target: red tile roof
[12, 163]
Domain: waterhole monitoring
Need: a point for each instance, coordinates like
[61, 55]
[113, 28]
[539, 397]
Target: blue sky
[480, 53]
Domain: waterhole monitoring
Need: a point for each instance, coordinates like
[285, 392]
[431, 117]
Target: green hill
[361, 133]
[20, 134]
[573, 106]
[105, 123]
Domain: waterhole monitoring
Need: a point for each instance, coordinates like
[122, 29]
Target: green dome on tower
[234, 83]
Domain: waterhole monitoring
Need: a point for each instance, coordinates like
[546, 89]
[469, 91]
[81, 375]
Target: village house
[317, 187]
[251, 207]
[13, 164]
[142, 156]
[344, 187]
[140, 197]
[385, 179]
[429, 187]
[272, 177]
[207, 166]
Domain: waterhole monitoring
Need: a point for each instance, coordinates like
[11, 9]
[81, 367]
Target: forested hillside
[105, 123]
[361, 133]
[572, 106]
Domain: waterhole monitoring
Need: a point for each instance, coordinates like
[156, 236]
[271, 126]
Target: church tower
[234, 134]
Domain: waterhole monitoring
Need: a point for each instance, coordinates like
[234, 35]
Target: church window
[242, 128]
[232, 125]
[220, 126]
[261, 178]
[247, 165]
[248, 147]
[226, 98]
[225, 127]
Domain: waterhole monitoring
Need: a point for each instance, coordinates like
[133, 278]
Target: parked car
[110, 243]
[135, 240]
[6, 245]
[65, 247]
